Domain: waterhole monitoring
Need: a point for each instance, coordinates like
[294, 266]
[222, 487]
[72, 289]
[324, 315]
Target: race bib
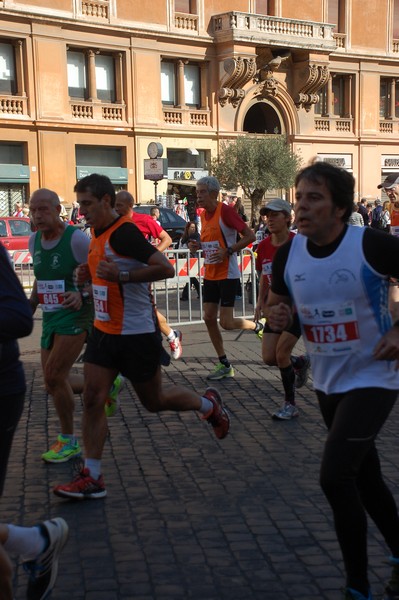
[267, 268]
[394, 230]
[209, 250]
[331, 330]
[100, 301]
[51, 294]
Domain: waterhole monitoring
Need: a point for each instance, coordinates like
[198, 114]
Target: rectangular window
[338, 96]
[336, 14]
[321, 106]
[262, 7]
[76, 69]
[395, 28]
[192, 89]
[105, 78]
[8, 84]
[389, 98]
[168, 83]
[98, 156]
[184, 6]
[384, 98]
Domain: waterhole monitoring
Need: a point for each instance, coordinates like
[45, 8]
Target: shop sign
[186, 174]
[343, 161]
[390, 161]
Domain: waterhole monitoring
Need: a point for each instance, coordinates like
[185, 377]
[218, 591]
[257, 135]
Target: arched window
[262, 118]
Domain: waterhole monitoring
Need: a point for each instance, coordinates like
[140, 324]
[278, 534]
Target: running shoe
[351, 594]
[43, 570]
[82, 487]
[175, 345]
[220, 372]
[302, 374]
[62, 451]
[112, 402]
[287, 412]
[259, 327]
[218, 416]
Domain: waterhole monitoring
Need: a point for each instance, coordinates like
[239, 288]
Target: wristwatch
[230, 251]
[85, 296]
[124, 276]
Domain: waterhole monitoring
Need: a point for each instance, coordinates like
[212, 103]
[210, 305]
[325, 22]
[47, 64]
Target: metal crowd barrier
[167, 293]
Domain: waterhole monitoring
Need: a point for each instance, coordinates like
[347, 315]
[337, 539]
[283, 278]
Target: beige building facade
[118, 86]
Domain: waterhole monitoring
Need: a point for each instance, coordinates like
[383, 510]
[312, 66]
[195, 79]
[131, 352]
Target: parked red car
[15, 233]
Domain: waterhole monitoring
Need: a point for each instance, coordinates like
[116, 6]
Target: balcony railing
[184, 116]
[388, 127]
[341, 125]
[13, 106]
[275, 30]
[340, 40]
[98, 111]
[395, 46]
[95, 8]
[186, 22]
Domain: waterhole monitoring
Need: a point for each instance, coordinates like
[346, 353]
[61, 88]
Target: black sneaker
[43, 570]
[302, 374]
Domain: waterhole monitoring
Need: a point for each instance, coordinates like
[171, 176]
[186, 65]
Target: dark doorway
[262, 118]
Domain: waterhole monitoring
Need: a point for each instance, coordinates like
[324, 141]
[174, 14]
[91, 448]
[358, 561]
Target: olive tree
[256, 163]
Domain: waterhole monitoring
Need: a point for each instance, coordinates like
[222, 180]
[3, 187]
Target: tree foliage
[257, 164]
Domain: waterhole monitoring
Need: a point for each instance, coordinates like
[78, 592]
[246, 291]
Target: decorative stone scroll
[312, 78]
[239, 71]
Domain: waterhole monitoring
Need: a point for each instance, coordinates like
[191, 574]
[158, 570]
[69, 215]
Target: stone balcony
[273, 31]
[13, 106]
[187, 117]
[339, 125]
[98, 111]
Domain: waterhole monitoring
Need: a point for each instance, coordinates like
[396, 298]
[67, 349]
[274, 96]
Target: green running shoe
[62, 451]
[112, 402]
[220, 372]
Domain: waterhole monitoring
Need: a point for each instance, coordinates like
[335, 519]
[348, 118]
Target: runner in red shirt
[277, 347]
[150, 228]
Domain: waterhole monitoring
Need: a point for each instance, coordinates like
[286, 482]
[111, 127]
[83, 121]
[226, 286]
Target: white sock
[206, 406]
[171, 336]
[94, 467]
[26, 542]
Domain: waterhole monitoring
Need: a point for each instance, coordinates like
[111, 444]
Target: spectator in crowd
[190, 233]
[363, 211]
[355, 217]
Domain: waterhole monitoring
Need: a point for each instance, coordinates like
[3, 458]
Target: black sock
[288, 379]
[224, 361]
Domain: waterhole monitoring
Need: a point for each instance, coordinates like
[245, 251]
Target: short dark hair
[98, 185]
[340, 183]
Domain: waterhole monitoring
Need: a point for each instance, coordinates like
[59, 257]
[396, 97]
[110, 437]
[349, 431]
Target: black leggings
[351, 478]
[11, 408]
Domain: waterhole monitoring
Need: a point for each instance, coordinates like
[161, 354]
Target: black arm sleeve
[381, 251]
[280, 259]
[15, 311]
[128, 240]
